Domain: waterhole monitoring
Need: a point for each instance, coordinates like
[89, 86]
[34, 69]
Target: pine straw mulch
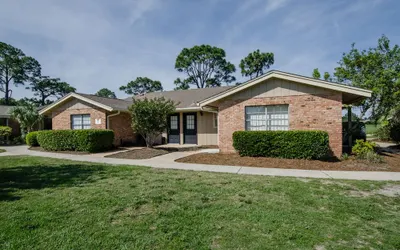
[392, 162]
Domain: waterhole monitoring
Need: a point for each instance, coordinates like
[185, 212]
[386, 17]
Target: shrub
[372, 157]
[345, 157]
[5, 131]
[383, 133]
[362, 147]
[90, 140]
[31, 139]
[283, 144]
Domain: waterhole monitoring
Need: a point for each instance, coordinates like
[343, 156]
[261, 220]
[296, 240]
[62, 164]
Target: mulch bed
[392, 162]
[143, 153]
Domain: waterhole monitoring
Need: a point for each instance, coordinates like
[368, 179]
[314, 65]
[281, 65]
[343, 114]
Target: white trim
[77, 96]
[188, 109]
[289, 77]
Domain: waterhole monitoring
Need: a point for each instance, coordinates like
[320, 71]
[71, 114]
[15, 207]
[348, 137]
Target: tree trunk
[6, 98]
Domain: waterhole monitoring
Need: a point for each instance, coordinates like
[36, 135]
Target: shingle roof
[4, 111]
[117, 104]
[185, 98]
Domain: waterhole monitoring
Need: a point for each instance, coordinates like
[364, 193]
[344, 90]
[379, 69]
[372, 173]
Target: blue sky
[93, 44]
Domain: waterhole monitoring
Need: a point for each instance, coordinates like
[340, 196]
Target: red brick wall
[121, 124]
[306, 112]
[62, 117]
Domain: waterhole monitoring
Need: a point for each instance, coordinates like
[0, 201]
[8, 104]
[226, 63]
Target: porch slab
[178, 147]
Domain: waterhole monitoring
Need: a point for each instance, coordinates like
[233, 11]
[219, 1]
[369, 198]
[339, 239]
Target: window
[215, 120]
[3, 122]
[190, 122]
[174, 122]
[80, 121]
[267, 118]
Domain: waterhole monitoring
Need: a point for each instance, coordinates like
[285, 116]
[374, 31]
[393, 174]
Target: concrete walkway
[168, 162]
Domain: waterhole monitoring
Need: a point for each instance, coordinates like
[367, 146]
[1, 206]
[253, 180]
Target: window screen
[80, 121]
[190, 122]
[174, 122]
[259, 118]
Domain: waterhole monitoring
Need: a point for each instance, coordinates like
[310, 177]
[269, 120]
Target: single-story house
[274, 101]
[5, 120]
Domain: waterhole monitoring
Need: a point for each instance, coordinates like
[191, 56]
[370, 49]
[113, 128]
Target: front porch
[188, 129]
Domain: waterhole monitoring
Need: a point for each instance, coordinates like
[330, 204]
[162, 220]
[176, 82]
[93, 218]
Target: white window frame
[82, 125]
[264, 123]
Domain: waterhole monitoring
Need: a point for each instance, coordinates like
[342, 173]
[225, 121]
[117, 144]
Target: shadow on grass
[38, 177]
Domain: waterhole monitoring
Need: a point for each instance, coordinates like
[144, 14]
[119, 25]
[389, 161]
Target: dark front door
[190, 128]
[173, 129]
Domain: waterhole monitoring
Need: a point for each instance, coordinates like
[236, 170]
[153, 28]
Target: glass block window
[190, 122]
[260, 118]
[80, 121]
[174, 122]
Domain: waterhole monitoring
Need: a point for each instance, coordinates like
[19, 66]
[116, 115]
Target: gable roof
[352, 94]
[4, 111]
[108, 104]
[185, 98]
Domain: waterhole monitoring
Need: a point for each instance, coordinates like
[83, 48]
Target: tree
[27, 116]
[104, 92]
[316, 74]
[44, 87]
[141, 85]
[377, 69]
[256, 63]
[205, 66]
[15, 68]
[149, 117]
[327, 76]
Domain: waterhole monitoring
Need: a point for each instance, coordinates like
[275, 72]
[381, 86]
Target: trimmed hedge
[88, 140]
[294, 144]
[31, 139]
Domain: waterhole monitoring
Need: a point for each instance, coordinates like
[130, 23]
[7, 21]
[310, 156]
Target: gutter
[108, 118]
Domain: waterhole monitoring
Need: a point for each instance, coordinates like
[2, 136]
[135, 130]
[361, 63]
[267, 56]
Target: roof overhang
[353, 94]
[71, 96]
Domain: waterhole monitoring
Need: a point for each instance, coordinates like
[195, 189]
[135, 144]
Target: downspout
[108, 119]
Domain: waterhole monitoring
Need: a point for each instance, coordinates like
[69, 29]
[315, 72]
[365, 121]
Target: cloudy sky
[93, 44]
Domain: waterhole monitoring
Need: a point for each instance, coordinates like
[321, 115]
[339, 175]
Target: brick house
[5, 120]
[274, 101]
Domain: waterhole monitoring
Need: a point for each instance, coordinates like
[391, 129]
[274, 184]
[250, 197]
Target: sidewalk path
[168, 162]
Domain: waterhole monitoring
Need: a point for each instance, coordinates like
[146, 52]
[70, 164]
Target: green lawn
[371, 128]
[54, 204]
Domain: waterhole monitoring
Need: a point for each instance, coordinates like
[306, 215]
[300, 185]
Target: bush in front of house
[31, 139]
[365, 150]
[5, 131]
[293, 144]
[88, 140]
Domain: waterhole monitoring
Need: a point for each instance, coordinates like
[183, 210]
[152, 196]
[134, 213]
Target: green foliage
[327, 76]
[377, 69]
[149, 117]
[27, 116]
[362, 147]
[371, 156]
[256, 63]
[383, 133]
[31, 139]
[283, 144]
[44, 87]
[205, 66]
[345, 157]
[316, 74]
[5, 131]
[141, 85]
[15, 68]
[104, 92]
[88, 140]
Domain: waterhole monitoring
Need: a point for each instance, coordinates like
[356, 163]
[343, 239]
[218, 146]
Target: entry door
[173, 129]
[190, 128]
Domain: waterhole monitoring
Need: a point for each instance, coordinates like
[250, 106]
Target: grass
[2, 150]
[52, 204]
[371, 128]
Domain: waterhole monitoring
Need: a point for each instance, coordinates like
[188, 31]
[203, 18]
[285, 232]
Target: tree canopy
[256, 63]
[142, 85]
[44, 87]
[104, 92]
[316, 74]
[205, 66]
[377, 69]
[150, 117]
[15, 68]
